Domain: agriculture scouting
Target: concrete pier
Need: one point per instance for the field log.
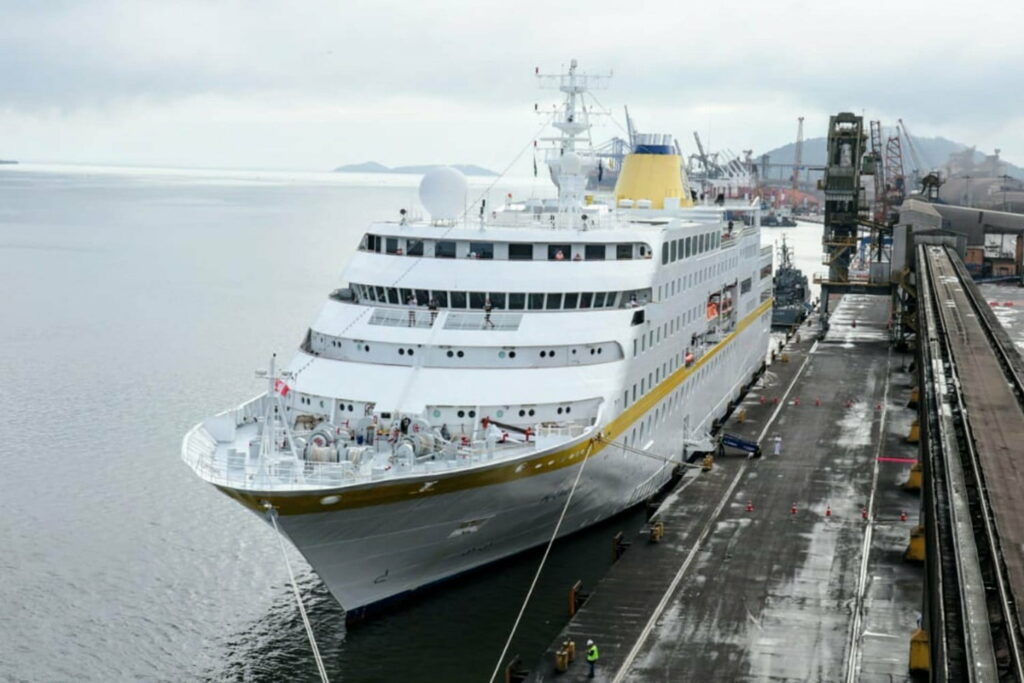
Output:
(768, 569)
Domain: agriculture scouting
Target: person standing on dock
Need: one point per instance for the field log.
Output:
(777, 445)
(592, 656)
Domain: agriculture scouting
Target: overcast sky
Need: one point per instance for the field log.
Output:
(311, 84)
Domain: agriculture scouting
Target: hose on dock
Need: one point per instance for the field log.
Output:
(272, 514)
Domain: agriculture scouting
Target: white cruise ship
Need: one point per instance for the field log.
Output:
(443, 402)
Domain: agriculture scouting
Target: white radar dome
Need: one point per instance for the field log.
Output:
(443, 193)
(571, 163)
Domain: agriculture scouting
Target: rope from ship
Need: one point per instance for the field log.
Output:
(647, 454)
(272, 514)
(543, 559)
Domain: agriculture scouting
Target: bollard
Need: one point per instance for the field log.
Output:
(576, 598)
(657, 531)
(570, 647)
(708, 463)
(741, 416)
(561, 661)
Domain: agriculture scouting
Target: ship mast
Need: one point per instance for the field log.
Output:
(568, 165)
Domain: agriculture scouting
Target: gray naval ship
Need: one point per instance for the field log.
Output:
(790, 291)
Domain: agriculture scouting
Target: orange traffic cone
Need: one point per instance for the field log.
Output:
(792, 510)
(750, 506)
(828, 510)
(903, 515)
(864, 513)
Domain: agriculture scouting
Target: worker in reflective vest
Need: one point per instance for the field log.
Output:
(591, 656)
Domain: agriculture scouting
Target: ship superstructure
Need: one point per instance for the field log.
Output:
(437, 412)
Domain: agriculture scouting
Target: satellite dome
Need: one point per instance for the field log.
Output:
(443, 193)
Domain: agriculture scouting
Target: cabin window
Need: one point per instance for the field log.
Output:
(520, 252)
(444, 249)
(559, 252)
(441, 297)
(458, 300)
(414, 248)
(393, 296)
(373, 243)
(391, 245)
(536, 301)
(482, 250)
(594, 252)
(422, 297)
(598, 299)
(476, 299)
(497, 299)
(688, 252)
(664, 253)
(609, 299)
(586, 299)
(554, 302)
(672, 254)
(571, 299)
(745, 286)
(517, 301)
(623, 251)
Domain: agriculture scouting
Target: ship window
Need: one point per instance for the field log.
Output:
(559, 411)
(672, 251)
(444, 249)
(571, 299)
(414, 248)
(520, 252)
(451, 353)
(401, 352)
(594, 252)
(405, 295)
(422, 297)
(511, 354)
(458, 300)
(536, 301)
(392, 296)
(442, 298)
(461, 413)
(543, 354)
(609, 299)
(483, 250)
(472, 413)
(460, 354)
(554, 302)
(664, 253)
(700, 244)
(380, 295)
(498, 299)
(623, 251)
(559, 252)
(522, 413)
(745, 286)
(391, 245)
(586, 299)
(476, 300)
(688, 246)
(680, 243)
(517, 301)
(598, 299)
(531, 412)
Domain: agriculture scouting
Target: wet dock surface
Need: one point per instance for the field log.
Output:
(767, 570)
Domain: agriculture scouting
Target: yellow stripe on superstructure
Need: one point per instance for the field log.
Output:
(305, 502)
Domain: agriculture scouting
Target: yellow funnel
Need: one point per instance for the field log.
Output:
(653, 177)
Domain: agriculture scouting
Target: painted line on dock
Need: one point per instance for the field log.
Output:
(883, 458)
(670, 591)
(855, 641)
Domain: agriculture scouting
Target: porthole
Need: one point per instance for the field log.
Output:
(592, 352)
(451, 353)
(599, 349)
(501, 413)
(461, 413)
(511, 354)
(551, 353)
(501, 354)
(410, 352)
(522, 413)
(531, 412)
(559, 410)
(437, 413)
(460, 354)
(472, 413)
(574, 352)
(351, 407)
(568, 409)
(366, 348)
(321, 404)
(543, 354)
(401, 352)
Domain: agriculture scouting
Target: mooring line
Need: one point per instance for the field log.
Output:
(272, 513)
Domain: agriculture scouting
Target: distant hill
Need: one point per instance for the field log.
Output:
(374, 167)
(934, 152)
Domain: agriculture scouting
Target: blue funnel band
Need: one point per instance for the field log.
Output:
(654, 149)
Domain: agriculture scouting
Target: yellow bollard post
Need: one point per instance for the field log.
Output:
(657, 531)
(915, 549)
(920, 656)
(913, 482)
(709, 462)
(561, 661)
(915, 431)
(741, 416)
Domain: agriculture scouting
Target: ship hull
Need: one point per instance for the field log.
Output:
(368, 555)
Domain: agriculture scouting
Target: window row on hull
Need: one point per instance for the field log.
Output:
(512, 301)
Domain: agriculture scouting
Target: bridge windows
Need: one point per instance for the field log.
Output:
(520, 252)
(444, 249)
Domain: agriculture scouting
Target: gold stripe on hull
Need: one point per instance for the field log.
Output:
(307, 502)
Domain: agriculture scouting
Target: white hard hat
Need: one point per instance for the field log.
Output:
(589, 643)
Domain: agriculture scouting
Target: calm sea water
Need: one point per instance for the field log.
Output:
(135, 303)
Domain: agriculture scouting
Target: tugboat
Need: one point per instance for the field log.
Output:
(791, 295)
